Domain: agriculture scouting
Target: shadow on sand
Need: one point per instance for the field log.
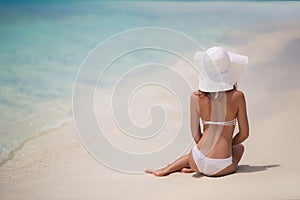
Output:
(250, 168)
(244, 169)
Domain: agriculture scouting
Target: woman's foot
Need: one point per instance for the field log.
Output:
(176, 166)
(186, 170)
(160, 172)
(164, 171)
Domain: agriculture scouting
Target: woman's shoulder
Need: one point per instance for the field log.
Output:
(238, 95)
(200, 93)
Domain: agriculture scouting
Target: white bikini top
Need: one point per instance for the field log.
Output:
(228, 123)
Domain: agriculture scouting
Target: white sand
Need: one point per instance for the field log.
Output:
(56, 166)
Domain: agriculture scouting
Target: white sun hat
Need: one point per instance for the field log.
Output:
(219, 69)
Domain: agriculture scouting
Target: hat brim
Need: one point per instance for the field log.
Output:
(224, 81)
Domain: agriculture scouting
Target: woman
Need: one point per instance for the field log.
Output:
(218, 104)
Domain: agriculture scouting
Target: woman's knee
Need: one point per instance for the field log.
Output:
(238, 148)
(237, 153)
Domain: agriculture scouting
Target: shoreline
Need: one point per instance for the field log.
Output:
(18, 145)
(56, 165)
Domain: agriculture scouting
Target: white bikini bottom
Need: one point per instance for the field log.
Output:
(209, 166)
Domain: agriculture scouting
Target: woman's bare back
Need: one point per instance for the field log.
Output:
(223, 147)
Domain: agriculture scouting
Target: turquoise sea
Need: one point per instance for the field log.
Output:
(43, 43)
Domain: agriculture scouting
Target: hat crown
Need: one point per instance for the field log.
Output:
(216, 60)
(219, 69)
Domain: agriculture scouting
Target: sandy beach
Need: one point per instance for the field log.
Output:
(56, 165)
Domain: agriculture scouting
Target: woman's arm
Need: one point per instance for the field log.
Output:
(197, 135)
(195, 117)
(243, 133)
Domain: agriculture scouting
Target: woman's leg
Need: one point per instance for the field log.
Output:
(177, 165)
(182, 164)
(237, 153)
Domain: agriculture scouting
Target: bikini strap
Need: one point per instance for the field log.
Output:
(228, 123)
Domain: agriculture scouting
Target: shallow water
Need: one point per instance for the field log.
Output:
(42, 46)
